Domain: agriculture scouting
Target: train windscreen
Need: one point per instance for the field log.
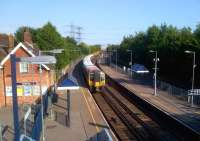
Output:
(97, 76)
(91, 76)
(102, 76)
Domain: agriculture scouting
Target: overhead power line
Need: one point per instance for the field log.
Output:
(75, 32)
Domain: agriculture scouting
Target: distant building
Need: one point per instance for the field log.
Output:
(27, 74)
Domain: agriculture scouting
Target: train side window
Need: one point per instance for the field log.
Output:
(97, 76)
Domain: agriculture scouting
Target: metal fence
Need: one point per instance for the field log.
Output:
(36, 131)
(194, 96)
(172, 90)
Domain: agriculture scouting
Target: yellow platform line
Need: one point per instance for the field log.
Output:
(90, 111)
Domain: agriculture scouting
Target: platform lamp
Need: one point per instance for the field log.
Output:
(193, 69)
(156, 59)
(32, 60)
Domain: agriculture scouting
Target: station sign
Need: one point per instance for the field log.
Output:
(26, 83)
(194, 92)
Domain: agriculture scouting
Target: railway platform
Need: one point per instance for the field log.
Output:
(178, 109)
(85, 121)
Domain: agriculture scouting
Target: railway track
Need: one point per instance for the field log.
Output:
(134, 120)
(120, 129)
(179, 128)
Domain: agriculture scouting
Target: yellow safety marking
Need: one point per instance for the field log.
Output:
(97, 128)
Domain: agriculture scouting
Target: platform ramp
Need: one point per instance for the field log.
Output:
(102, 136)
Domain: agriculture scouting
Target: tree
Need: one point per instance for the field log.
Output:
(170, 43)
(48, 38)
(197, 33)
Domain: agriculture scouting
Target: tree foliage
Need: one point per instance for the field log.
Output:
(48, 38)
(175, 65)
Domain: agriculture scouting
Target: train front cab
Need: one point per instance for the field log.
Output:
(96, 80)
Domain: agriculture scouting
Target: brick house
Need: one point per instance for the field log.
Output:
(28, 80)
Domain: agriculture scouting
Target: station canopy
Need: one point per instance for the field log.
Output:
(67, 84)
(139, 68)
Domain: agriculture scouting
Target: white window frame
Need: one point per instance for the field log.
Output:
(23, 67)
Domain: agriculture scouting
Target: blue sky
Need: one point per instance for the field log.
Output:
(103, 21)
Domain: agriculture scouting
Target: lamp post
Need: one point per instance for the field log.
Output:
(40, 60)
(110, 57)
(131, 57)
(115, 59)
(156, 59)
(193, 68)
(109, 54)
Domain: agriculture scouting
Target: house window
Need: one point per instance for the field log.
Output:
(23, 67)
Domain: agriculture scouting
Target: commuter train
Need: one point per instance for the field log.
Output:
(94, 77)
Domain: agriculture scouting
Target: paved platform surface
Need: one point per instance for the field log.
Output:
(86, 119)
(177, 108)
(6, 119)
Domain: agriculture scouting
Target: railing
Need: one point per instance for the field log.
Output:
(37, 125)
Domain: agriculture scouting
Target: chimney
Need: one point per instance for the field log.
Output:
(10, 41)
(27, 36)
(3, 40)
